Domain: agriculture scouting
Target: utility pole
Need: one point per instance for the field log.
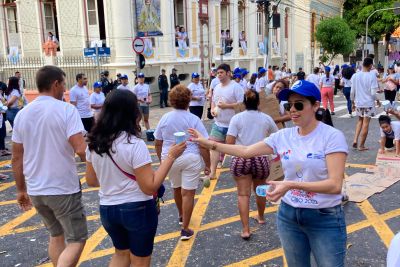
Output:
(266, 32)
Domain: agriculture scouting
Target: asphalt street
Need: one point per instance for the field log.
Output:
(370, 224)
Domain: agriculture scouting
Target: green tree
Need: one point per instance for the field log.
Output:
(382, 23)
(335, 37)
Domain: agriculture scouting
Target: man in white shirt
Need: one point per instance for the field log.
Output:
(227, 96)
(124, 83)
(364, 85)
(44, 166)
(143, 94)
(79, 97)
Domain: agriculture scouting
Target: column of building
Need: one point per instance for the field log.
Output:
(234, 27)
(251, 35)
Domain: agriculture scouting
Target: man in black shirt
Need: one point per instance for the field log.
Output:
(173, 78)
(106, 84)
(163, 86)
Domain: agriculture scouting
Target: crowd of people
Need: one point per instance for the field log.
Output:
(104, 129)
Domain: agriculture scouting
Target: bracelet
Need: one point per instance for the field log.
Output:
(171, 157)
(214, 146)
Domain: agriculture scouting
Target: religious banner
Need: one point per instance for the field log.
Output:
(148, 18)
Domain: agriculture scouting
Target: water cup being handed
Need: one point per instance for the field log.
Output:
(262, 190)
(180, 137)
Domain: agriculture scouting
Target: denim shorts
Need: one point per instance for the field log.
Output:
(131, 226)
(218, 133)
(145, 110)
(321, 232)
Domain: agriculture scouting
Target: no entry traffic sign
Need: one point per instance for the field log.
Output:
(138, 45)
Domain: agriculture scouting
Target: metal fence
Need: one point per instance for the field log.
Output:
(70, 65)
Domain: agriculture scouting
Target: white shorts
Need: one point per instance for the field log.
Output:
(366, 112)
(186, 170)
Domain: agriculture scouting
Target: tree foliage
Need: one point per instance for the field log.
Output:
(335, 37)
(381, 23)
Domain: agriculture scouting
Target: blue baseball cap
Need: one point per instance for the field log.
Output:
(245, 72)
(344, 66)
(195, 75)
(124, 77)
(237, 70)
(328, 69)
(141, 75)
(237, 76)
(262, 70)
(97, 85)
(302, 88)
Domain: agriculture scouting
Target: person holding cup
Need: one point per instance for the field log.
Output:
(142, 91)
(313, 157)
(186, 170)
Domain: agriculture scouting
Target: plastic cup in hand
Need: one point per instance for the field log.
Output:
(386, 105)
(262, 190)
(180, 137)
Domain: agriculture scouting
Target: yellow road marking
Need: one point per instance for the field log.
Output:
(4, 163)
(272, 254)
(380, 226)
(6, 228)
(5, 186)
(8, 202)
(183, 248)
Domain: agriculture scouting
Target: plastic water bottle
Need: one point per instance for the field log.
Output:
(262, 190)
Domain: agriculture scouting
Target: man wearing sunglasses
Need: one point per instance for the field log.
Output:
(364, 85)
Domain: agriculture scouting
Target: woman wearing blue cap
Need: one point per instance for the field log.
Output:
(326, 84)
(310, 217)
(196, 105)
(97, 99)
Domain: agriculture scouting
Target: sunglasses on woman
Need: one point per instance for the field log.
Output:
(299, 106)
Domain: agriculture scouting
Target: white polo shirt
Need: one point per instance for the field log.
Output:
(80, 95)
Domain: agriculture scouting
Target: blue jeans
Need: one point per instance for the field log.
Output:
(346, 92)
(10, 115)
(320, 231)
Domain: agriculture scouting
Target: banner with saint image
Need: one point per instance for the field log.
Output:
(148, 18)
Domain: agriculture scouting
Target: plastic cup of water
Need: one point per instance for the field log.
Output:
(262, 190)
(180, 137)
(386, 105)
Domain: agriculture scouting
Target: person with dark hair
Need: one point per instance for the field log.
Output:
(185, 172)
(326, 84)
(196, 105)
(163, 87)
(12, 95)
(390, 135)
(277, 87)
(345, 82)
(364, 85)
(301, 75)
(336, 75)
(260, 81)
(227, 96)
(391, 83)
(173, 78)
(79, 97)
(142, 91)
(251, 85)
(313, 157)
(314, 77)
(119, 162)
(47, 134)
(253, 171)
(270, 74)
(106, 83)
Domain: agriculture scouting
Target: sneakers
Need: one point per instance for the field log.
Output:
(186, 235)
(180, 221)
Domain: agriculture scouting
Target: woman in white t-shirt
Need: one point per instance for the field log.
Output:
(182, 36)
(251, 85)
(314, 77)
(196, 105)
(313, 156)
(326, 84)
(12, 95)
(277, 87)
(97, 99)
(119, 162)
(243, 131)
(185, 172)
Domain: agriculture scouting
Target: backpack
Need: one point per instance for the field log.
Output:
(324, 115)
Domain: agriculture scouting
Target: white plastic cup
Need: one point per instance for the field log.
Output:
(180, 137)
(386, 105)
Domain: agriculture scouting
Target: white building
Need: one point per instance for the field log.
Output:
(78, 23)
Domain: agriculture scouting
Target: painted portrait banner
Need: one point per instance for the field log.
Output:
(148, 18)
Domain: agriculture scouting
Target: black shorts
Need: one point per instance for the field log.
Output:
(131, 226)
(88, 123)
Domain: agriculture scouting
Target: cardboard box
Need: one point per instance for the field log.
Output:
(269, 104)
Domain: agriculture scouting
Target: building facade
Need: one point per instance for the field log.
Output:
(78, 24)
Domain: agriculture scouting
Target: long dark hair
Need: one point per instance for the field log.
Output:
(253, 78)
(13, 83)
(347, 73)
(120, 113)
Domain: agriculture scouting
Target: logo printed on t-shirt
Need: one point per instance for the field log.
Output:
(285, 154)
(315, 156)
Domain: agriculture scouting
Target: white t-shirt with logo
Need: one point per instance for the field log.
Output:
(230, 94)
(49, 159)
(80, 95)
(115, 187)
(247, 132)
(314, 78)
(97, 99)
(304, 159)
(178, 120)
(142, 92)
(243, 83)
(327, 82)
(395, 130)
(363, 88)
(197, 91)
